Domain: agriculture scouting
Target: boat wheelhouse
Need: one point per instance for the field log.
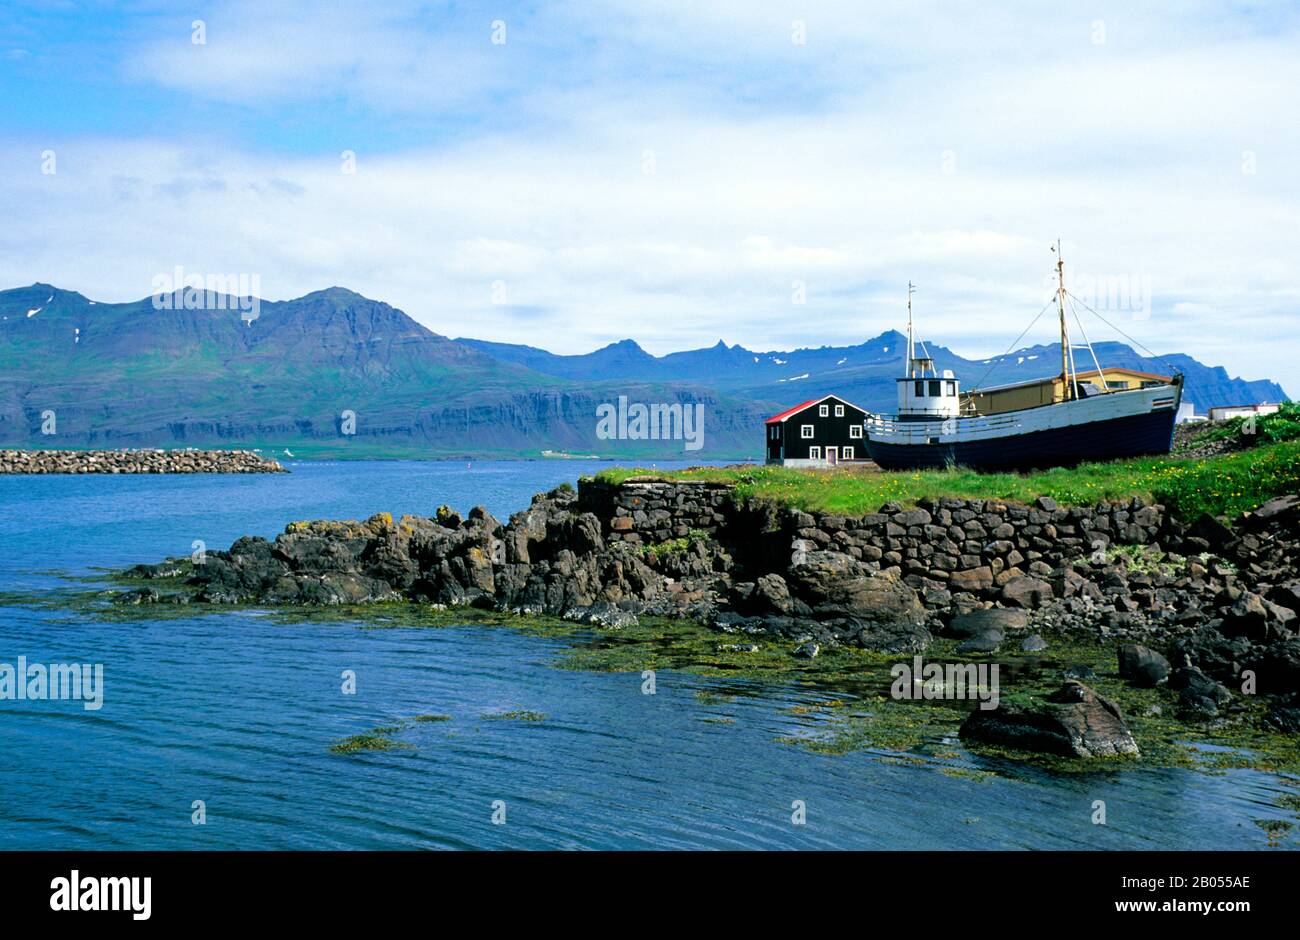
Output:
(1058, 421)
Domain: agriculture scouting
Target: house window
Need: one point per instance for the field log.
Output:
(823, 411)
(806, 431)
(776, 431)
(839, 411)
(847, 453)
(814, 453)
(855, 431)
(1116, 383)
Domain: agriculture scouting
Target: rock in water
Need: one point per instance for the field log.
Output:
(1074, 721)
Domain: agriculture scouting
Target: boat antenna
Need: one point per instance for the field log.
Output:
(1060, 303)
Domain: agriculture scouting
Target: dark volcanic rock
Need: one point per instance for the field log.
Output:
(984, 620)
(893, 637)
(972, 579)
(834, 585)
(987, 642)
(1248, 615)
(1211, 651)
(1283, 507)
(1142, 666)
(1285, 715)
(807, 650)
(1199, 696)
(1286, 595)
(771, 592)
(603, 614)
(1277, 667)
(1074, 721)
(1029, 593)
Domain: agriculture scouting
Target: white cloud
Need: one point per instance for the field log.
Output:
(910, 144)
(300, 51)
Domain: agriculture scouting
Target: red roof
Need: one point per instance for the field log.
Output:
(795, 410)
(777, 419)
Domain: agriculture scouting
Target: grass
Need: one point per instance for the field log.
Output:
(1141, 559)
(1282, 425)
(1222, 485)
(671, 546)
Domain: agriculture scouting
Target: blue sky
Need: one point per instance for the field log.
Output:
(675, 172)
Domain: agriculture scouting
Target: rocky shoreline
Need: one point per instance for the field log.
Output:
(135, 461)
(1206, 610)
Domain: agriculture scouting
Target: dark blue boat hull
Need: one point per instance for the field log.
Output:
(1129, 436)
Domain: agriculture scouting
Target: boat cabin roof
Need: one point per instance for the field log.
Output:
(1079, 376)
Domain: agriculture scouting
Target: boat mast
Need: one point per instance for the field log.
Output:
(910, 341)
(1065, 339)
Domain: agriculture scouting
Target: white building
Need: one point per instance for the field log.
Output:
(1227, 412)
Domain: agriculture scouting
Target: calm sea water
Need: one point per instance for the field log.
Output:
(240, 712)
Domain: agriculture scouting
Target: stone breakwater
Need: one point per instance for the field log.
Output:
(136, 461)
(1205, 608)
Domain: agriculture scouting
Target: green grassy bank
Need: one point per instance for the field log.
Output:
(1226, 484)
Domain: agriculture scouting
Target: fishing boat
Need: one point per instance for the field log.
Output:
(1059, 421)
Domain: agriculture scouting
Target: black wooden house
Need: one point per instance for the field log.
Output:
(824, 432)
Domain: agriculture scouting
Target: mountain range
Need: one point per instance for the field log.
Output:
(336, 374)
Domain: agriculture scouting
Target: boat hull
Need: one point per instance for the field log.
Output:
(1038, 438)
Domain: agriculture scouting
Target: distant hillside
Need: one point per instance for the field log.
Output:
(118, 375)
(865, 373)
(1206, 385)
(129, 375)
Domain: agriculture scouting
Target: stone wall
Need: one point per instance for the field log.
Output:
(980, 547)
(654, 511)
(990, 549)
(136, 461)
